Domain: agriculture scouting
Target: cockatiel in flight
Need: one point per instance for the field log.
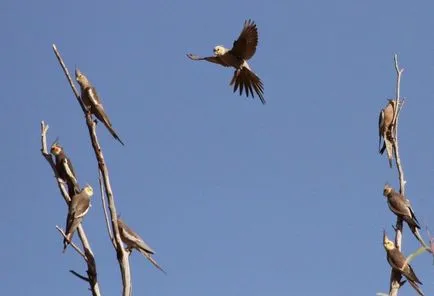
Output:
(242, 50)
(92, 102)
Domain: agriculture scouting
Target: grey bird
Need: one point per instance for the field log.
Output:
(92, 102)
(398, 262)
(242, 50)
(78, 208)
(133, 241)
(64, 169)
(401, 207)
(385, 122)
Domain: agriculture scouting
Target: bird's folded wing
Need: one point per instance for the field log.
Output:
(69, 170)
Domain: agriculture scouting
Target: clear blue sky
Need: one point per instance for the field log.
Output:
(236, 198)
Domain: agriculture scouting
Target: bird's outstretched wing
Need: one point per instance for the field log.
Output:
(246, 79)
(215, 60)
(245, 46)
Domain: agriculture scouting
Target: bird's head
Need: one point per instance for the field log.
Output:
(219, 50)
(56, 149)
(80, 78)
(88, 189)
(387, 189)
(387, 243)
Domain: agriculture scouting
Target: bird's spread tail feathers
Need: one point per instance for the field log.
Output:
(246, 79)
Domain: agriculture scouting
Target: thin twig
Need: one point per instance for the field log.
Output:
(395, 276)
(65, 70)
(107, 220)
(122, 256)
(398, 107)
(79, 275)
(72, 243)
(94, 286)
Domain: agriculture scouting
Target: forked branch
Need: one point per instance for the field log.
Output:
(87, 255)
(122, 255)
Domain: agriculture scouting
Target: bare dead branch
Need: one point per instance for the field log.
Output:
(94, 286)
(71, 243)
(399, 104)
(107, 220)
(395, 277)
(122, 256)
(71, 83)
(79, 275)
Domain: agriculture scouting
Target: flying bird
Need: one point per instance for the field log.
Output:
(242, 50)
(64, 169)
(398, 262)
(385, 123)
(78, 208)
(134, 241)
(92, 102)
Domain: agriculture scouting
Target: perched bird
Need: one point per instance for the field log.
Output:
(398, 262)
(64, 169)
(242, 50)
(385, 121)
(134, 241)
(92, 102)
(401, 207)
(78, 208)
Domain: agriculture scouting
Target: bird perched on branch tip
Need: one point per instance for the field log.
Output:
(92, 102)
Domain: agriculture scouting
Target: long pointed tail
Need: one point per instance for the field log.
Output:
(152, 260)
(416, 287)
(114, 134)
(416, 233)
(246, 79)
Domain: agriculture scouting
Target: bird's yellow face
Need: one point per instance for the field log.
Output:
(56, 149)
(89, 190)
(219, 50)
(80, 78)
(388, 244)
(387, 190)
